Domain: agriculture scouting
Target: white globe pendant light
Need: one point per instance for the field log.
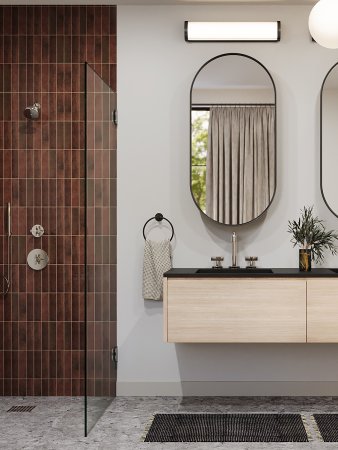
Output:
(323, 23)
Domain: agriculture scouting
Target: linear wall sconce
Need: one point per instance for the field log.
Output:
(232, 31)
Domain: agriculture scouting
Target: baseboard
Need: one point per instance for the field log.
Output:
(228, 388)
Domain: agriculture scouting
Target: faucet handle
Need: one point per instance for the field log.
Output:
(251, 260)
(218, 260)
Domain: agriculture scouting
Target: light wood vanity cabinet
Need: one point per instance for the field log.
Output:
(235, 310)
(322, 310)
(250, 310)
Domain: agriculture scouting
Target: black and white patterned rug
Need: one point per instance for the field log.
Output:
(227, 428)
(328, 426)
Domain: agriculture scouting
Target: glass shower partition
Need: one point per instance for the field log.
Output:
(100, 247)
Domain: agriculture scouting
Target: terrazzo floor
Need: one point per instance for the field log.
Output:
(57, 422)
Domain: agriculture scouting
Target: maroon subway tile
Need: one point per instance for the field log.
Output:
(60, 386)
(22, 20)
(15, 386)
(37, 364)
(30, 78)
(52, 307)
(7, 54)
(37, 197)
(38, 20)
(45, 387)
(98, 49)
(60, 278)
(45, 59)
(30, 51)
(30, 364)
(22, 48)
(90, 20)
(75, 20)
(30, 387)
(67, 56)
(112, 82)
(98, 20)
(52, 110)
(6, 77)
(112, 21)
(22, 298)
(45, 335)
(60, 49)
(60, 19)
(52, 278)
(52, 364)
(90, 49)
(52, 16)
(68, 279)
(44, 307)
(105, 14)
(68, 335)
(22, 372)
(53, 220)
(112, 50)
(60, 336)
(60, 308)
(37, 387)
(52, 43)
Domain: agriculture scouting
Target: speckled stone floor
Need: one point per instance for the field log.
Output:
(57, 422)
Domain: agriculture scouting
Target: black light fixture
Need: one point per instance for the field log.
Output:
(232, 31)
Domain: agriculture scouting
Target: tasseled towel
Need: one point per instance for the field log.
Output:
(157, 260)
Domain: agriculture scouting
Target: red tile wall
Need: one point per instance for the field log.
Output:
(42, 55)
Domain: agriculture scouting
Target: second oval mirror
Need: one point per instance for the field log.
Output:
(329, 139)
(233, 139)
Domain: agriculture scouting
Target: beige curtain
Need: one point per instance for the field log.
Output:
(240, 178)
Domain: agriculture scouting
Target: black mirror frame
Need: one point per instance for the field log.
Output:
(190, 153)
(321, 139)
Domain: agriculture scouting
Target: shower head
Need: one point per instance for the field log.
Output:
(32, 112)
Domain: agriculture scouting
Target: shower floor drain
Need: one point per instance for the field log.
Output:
(21, 409)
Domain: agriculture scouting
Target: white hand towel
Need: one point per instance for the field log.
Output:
(157, 260)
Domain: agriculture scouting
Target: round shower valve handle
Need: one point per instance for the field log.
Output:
(37, 259)
(37, 230)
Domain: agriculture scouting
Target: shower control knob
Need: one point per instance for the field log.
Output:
(37, 259)
(37, 230)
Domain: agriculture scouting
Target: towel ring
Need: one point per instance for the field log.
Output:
(159, 217)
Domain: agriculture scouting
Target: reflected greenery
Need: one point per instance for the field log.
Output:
(199, 142)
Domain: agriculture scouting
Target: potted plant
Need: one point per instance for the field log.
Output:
(310, 235)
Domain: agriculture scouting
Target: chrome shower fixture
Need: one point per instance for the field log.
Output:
(32, 112)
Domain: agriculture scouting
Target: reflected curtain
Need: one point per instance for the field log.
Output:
(240, 179)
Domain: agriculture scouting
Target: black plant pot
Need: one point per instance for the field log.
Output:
(304, 260)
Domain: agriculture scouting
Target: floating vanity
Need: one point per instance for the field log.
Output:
(251, 306)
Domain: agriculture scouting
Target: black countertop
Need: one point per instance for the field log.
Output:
(276, 273)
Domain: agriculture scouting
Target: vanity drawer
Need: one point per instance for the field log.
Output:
(322, 311)
(234, 310)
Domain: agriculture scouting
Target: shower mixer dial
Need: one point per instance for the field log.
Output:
(37, 230)
(37, 259)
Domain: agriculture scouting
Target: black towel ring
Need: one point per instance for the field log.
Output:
(159, 217)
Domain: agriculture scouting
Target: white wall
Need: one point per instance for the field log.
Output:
(155, 70)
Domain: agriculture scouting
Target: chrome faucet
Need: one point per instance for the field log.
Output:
(234, 251)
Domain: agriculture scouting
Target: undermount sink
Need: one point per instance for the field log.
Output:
(234, 271)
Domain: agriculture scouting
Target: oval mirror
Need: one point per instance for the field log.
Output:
(233, 139)
(329, 139)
